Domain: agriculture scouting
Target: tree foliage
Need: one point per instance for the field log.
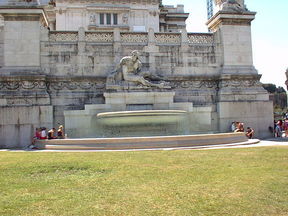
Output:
(278, 94)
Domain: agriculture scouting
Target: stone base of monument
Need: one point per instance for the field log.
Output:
(161, 142)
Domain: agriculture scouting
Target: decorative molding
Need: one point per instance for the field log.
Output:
(54, 84)
(195, 84)
(237, 83)
(22, 85)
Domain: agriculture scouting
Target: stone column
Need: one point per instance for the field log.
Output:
(22, 36)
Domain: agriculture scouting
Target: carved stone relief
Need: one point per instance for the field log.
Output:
(92, 19)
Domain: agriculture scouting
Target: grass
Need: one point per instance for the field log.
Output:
(250, 181)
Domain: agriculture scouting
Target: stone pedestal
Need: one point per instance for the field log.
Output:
(241, 96)
(22, 36)
(233, 31)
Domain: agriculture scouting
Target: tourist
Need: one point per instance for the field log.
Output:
(43, 133)
(36, 136)
(233, 126)
(60, 132)
(285, 127)
(249, 132)
(239, 127)
(278, 129)
(51, 134)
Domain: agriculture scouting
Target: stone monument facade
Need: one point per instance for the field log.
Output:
(49, 69)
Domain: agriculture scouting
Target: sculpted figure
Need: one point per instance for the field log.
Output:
(92, 19)
(130, 66)
(125, 19)
(231, 5)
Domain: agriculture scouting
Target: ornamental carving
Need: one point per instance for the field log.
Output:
(134, 38)
(166, 38)
(196, 84)
(200, 38)
(92, 19)
(240, 83)
(125, 18)
(12, 85)
(57, 85)
(63, 36)
(99, 37)
(76, 85)
(26, 85)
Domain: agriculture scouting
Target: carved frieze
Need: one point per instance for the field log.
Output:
(22, 85)
(68, 85)
(51, 85)
(195, 84)
(237, 83)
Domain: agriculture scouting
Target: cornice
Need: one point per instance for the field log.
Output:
(230, 18)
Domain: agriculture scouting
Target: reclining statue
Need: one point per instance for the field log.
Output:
(129, 70)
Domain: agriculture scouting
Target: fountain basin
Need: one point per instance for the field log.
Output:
(140, 117)
(141, 123)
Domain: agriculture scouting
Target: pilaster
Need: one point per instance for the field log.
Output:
(152, 49)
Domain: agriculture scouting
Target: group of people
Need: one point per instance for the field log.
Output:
(239, 127)
(42, 134)
(281, 128)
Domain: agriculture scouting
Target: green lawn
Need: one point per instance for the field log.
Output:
(252, 181)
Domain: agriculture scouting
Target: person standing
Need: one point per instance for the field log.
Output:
(285, 127)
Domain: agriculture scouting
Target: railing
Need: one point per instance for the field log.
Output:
(102, 37)
(133, 37)
(200, 38)
(168, 38)
(62, 36)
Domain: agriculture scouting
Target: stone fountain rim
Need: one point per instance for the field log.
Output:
(141, 113)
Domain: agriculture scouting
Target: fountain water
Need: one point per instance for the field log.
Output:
(142, 123)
